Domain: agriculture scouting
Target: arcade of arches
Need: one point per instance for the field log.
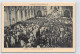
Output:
(13, 14)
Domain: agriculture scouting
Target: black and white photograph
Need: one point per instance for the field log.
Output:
(38, 27)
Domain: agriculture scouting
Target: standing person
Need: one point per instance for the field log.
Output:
(9, 40)
(12, 41)
(22, 43)
(22, 39)
(35, 31)
(17, 39)
(38, 36)
(34, 44)
(5, 41)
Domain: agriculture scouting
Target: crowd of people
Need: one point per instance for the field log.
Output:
(38, 32)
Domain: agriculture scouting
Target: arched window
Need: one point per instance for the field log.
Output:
(66, 13)
(39, 13)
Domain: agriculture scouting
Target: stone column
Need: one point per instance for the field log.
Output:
(5, 18)
(33, 13)
(23, 11)
(30, 13)
(9, 15)
(18, 15)
(27, 14)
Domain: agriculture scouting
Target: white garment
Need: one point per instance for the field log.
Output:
(24, 32)
(42, 28)
(34, 32)
(22, 43)
(7, 44)
(29, 44)
(12, 41)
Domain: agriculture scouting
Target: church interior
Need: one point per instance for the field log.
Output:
(38, 26)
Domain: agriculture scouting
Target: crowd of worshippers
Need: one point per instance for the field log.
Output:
(33, 35)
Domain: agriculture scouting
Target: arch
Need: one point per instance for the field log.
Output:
(39, 13)
(67, 13)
